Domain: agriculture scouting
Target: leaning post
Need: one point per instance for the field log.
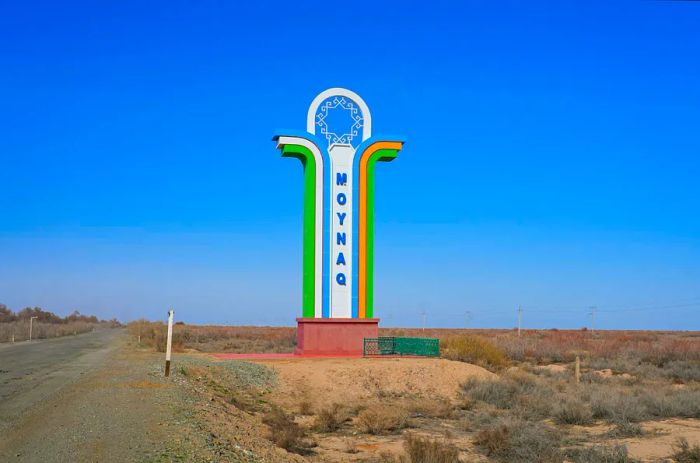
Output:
(168, 346)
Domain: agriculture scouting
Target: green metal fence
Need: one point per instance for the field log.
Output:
(425, 347)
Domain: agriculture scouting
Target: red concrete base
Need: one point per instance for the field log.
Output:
(334, 336)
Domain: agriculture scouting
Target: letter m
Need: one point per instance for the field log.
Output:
(341, 178)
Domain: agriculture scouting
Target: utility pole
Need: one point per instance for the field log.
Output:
(168, 346)
(424, 314)
(30, 327)
(592, 314)
(520, 318)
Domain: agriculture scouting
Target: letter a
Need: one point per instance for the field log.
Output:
(341, 259)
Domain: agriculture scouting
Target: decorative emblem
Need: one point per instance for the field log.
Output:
(340, 121)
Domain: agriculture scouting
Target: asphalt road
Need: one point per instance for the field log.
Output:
(90, 398)
(30, 373)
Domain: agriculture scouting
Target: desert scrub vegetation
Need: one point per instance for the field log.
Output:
(519, 441)
(573, 411)
(382, 419)
(648, 348)
(473, 349)
(600, 454)
(285, 432)
(521, 406)
(425, 450)
(683, 452)
(206, 338)
(46, 324)
(438, 407)
(331, 418)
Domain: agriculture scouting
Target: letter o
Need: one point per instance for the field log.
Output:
(340, 279)
(342, 199)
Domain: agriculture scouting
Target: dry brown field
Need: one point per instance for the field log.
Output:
(493, 397)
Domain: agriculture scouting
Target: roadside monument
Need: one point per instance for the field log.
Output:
(338, 154)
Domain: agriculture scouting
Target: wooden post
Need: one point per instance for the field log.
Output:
(577, 369)
(169, 343)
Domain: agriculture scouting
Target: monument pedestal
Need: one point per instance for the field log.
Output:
(334, 336)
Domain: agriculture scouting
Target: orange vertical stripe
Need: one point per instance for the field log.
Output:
(362, 212)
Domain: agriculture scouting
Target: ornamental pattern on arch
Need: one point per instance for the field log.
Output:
(340, 121)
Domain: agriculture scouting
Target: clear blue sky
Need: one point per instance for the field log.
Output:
(553, 157)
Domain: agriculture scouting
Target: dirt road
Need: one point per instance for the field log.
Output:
(86, 398)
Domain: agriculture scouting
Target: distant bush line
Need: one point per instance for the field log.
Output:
(14, 326)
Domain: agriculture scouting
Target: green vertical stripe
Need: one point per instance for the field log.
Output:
(379, 155)
(307, 159)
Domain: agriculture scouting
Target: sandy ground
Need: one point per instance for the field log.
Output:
(662, 434)
(325, 381)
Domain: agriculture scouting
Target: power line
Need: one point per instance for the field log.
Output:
(592, 314)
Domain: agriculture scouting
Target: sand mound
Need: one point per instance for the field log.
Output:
(324, 381)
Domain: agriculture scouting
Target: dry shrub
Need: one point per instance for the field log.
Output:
(306, 407)
(682, 371)
(380, 419)
(525, 393)
(431, 408)
(482, 418)
(424, 450)
(244, 403)
(517, 441)
(626, 429)
(351, 446)
(683, 452)
(330, 419)
(284, 432)
(499, 393)
(494, 440)
(472, 349)
(573, 412)
(614, 405)
(667, 403)
(600, 454)
(207, 338)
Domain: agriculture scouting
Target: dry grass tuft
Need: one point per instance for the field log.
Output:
(284, 432)
(600, 454)
(476, 350)
(626, 429)
(424, 450)
(306, 407)
(330, 419)
(517, 441)
(574, 412)
(431, 408)
(381, 419)
(683, 452)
